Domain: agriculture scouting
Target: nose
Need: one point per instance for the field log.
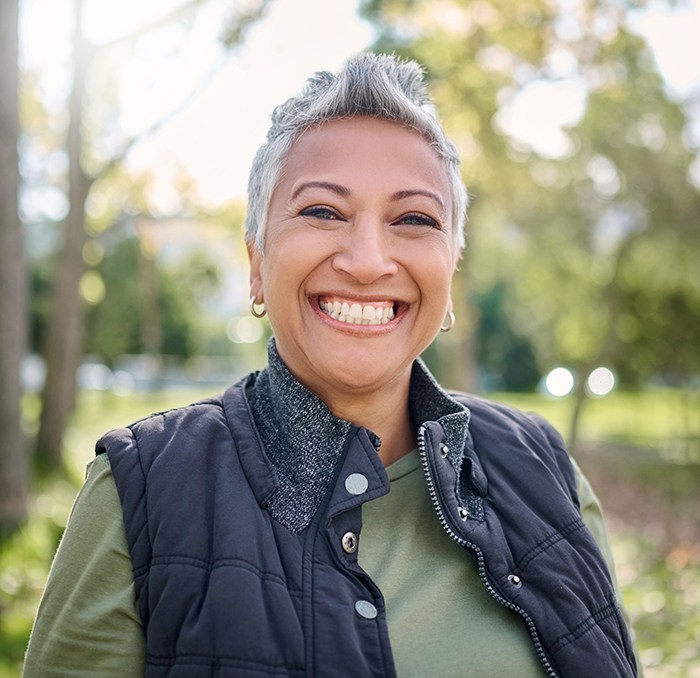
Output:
(365, 253)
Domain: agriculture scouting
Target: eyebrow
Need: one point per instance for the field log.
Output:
(329, 186)
(401, 195)
(345, 192)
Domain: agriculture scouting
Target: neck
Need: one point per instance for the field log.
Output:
(384, 412)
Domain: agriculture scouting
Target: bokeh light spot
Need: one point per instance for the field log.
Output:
(600, 382)
(559, 382)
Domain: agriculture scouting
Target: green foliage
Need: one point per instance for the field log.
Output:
(178, 290)
(661, 590)
(39, 301)
(663, 419)
(648, 501)
(506, 359)
(145, 293)
(597, 244)
(24, 561)
(113, 324)
(184, 289)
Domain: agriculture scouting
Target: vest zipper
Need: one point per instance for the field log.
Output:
(480, 557)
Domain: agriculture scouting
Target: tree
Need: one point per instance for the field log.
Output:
(65, 327)
(63, 340)
(118, 323)
(13, 285)
(506, 359)
(582, 233)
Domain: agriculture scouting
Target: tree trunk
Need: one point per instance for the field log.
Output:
(579, 402)
(64, 336)
(14, 463)
(149, 303)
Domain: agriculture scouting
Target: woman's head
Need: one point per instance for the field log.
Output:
(361, 201)
(369, 85)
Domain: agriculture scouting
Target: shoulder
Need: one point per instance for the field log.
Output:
(504, 430)
(487, 414)
(189, 417)
(196, 436)
(173, 430)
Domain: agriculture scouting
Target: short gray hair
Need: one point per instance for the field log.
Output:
(369, 85)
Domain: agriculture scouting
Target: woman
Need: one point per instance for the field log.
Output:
(259, 534)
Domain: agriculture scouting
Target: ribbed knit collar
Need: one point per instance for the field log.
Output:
(304, 440)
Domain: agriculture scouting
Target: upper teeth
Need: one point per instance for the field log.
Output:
(357, 314)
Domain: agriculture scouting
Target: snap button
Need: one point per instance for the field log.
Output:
(463, 513)
(515, 580)
(349, 542)
(444, 450)
(365, 609)
(356, 483)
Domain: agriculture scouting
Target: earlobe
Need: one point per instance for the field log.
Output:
(449, 322)
(256, 282)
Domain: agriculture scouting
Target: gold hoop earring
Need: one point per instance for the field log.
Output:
(448, 323)
(254, 312)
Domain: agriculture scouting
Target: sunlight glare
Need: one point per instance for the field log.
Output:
(538, 114)
(673, 35)
(559, 382)
(600, 382)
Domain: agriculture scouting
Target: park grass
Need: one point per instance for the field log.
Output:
(630, 444)
(657, 418)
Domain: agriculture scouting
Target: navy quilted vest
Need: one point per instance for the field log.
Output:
(226, 590)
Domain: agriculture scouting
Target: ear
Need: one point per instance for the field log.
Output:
(256, 280)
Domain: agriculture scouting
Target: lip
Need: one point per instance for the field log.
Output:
(400, 309)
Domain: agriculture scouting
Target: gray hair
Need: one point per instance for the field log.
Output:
(370, 85)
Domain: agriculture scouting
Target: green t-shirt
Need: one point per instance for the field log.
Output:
(87, 624)
(441, 620)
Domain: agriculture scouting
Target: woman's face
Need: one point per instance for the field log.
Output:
(358, 255)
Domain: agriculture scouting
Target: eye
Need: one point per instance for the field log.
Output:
(418, 219)
(320, 212)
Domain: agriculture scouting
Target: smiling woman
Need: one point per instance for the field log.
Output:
(358, 222)
(338, 513)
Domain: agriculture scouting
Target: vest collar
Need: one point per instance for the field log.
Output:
(301, 437)
(304, 441)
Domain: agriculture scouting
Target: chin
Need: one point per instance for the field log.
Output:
(363, 375)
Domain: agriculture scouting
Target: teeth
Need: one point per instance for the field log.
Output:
(356, 314)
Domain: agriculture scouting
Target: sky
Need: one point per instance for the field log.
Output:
(214, 138)
(675, 38)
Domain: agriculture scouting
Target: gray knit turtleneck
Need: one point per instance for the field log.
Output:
(304, 440)
(301, 437)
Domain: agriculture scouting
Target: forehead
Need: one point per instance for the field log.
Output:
(368, 152)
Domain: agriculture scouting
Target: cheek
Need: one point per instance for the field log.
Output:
(441, 290)
(435, 266)
(298, 254)
(284, 269)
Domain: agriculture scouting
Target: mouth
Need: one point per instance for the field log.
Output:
(352, 312)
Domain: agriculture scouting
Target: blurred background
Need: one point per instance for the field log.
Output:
(126, 132)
